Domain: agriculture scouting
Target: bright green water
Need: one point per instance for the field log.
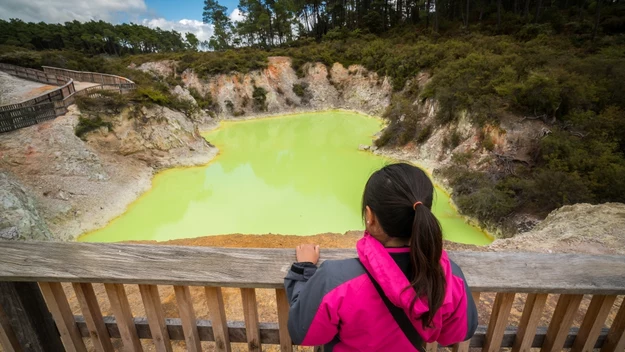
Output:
(300, 175)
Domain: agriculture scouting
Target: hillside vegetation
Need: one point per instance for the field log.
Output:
(562, 63)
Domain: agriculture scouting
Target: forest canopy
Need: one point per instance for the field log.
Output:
(93, 37)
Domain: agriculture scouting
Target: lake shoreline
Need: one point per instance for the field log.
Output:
(205, 198)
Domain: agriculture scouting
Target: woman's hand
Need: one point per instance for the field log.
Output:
(307, 253)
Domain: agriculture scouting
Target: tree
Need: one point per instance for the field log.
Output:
(192, 41)
(215, 14)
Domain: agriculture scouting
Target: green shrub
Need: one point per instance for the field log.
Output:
(300, 89)
(229, 106)
(204, 101)
(152, 95)
(487, 204)
(260, 98)
(424, 134)
(487, 142)
(462, 158)
(455, 139)
(103, 101)
(88, 124)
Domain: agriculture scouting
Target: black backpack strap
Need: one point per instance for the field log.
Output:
(400, 316)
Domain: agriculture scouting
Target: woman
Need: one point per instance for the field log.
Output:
(401, 291)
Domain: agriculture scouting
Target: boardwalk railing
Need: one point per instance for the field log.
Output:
(507, 277)
(122, 83)
(34, 75)
(54, 103)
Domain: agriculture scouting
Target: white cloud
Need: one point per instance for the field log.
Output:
(58, 11)
(201, 30)
(237, 16)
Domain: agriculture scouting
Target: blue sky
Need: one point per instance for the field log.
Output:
(178, 10)
(180, 15)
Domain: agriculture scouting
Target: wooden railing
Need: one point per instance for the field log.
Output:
(44, 107)
(54, 103)
(506, 277)
(34, 75)
(101, 78)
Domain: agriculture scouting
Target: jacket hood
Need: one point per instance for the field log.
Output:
(378, 261)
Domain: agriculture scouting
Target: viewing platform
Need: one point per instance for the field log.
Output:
(35, 313)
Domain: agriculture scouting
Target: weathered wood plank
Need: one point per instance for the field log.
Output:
(286, 345)
(236, 330)
(61, 312)
(561, 322)
(206, 266)
(596, 314)
(156, 317)
(498, 321)
(250, 314)
(215, 303)
(29, 316)
(187, 315)
(269, 333)
(615, 340)
(532, 311)
(121, 308)
(8, 339)
(93, 316)
(464, 346)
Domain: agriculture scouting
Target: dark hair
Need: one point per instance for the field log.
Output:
(391, 193)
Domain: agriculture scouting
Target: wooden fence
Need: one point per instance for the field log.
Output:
(34, 75)
(122, 83)
(54, 103)
(506, 276)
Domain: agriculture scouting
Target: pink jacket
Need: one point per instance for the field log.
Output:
(338, 306)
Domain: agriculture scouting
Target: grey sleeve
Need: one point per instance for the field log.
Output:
(472, 317)
(296, 279)
(306, 290)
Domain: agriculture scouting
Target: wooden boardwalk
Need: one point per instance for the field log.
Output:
(55, 102)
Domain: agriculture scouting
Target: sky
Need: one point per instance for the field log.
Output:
(181, 15)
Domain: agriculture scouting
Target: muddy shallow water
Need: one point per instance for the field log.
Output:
(300, 175)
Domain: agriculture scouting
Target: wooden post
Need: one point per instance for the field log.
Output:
(590, 329)
(250, 313)
(498, 321)
(123, 316)
(156, 317)
(529, 322)
(217, 312)
(93, 316)
(616, 337)
(561, 322)
(286, 345)
(57, 302)
(187, 316)
(29, 317)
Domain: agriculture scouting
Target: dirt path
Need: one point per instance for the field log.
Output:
(14, 90)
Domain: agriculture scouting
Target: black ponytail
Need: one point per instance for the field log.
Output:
(401, 197)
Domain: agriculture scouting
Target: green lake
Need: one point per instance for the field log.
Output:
(300, 174)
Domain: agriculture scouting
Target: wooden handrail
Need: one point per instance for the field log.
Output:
(497, 277)
(239, 267)
(86, 76)
(40, 108)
